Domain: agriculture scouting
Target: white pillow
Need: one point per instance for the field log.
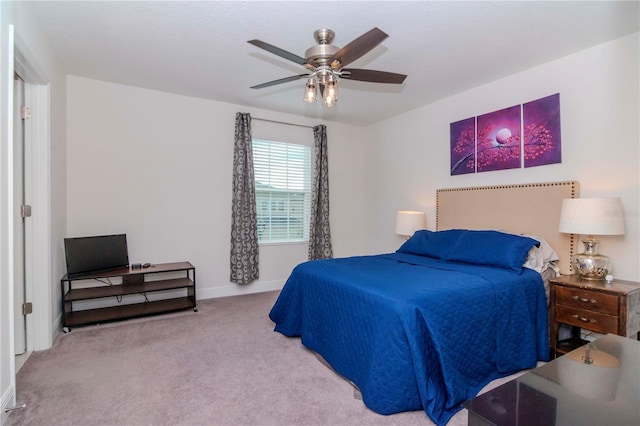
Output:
(541, 258)
(548, 253)
(534, 259)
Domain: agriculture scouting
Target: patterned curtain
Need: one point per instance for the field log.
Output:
(244, 222)
(319, 232)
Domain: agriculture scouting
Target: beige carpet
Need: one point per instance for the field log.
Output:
(223, 365)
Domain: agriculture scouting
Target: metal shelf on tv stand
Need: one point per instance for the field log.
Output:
(177, 280)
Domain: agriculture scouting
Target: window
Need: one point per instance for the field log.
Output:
(283, 190)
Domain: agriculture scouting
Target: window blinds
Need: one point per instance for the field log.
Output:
(283, 190)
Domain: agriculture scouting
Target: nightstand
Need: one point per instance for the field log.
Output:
(592, 305)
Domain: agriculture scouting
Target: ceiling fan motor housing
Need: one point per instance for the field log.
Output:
(320, 53)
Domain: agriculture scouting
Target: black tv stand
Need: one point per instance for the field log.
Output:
(179, 278)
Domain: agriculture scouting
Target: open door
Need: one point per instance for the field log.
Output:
(20, 215)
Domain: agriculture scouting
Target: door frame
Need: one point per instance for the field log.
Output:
(39, 282)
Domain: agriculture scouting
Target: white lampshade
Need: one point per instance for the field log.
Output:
(408, 222)
(592, 216)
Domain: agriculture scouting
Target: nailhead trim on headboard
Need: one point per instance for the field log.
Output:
(573, 186)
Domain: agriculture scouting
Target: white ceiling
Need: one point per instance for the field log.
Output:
(199, 48)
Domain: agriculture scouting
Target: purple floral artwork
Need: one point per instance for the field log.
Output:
(541, 120)
(499, 140)
(463, 146)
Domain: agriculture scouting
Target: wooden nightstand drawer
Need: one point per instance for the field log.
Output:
(604, 307)
(595, 321)
(586, 299)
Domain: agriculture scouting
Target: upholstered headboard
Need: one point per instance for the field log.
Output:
(532, 209)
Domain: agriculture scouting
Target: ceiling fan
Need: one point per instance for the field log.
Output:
(324, 63)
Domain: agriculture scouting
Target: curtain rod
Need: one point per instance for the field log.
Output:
(281, 122)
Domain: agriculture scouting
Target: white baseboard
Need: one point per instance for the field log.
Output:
(236, 290)
(8, 399)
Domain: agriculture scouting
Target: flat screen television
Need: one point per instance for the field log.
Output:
(100, 253)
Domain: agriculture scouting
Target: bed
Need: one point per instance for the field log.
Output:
(426, 327)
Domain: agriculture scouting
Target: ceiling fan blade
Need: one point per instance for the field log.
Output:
(373, 76)
(280, 81)
(357, 48)
(277, 51)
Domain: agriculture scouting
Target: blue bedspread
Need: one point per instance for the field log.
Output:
(414, 332)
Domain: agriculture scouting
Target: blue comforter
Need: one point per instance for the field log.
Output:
(414, 332)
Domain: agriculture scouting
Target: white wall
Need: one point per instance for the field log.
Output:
(408, 155)
(37, 58)
(158, 167)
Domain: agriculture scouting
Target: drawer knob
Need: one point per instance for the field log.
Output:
(583, 319)
(585, 300)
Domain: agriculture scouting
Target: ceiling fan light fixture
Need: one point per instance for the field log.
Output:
(310, 91)
(329, 102)
(330, 94)
(323, 75)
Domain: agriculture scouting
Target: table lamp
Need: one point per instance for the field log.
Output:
(409, 221)
(591, 216)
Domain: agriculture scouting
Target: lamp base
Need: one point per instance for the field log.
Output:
(590, 265)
